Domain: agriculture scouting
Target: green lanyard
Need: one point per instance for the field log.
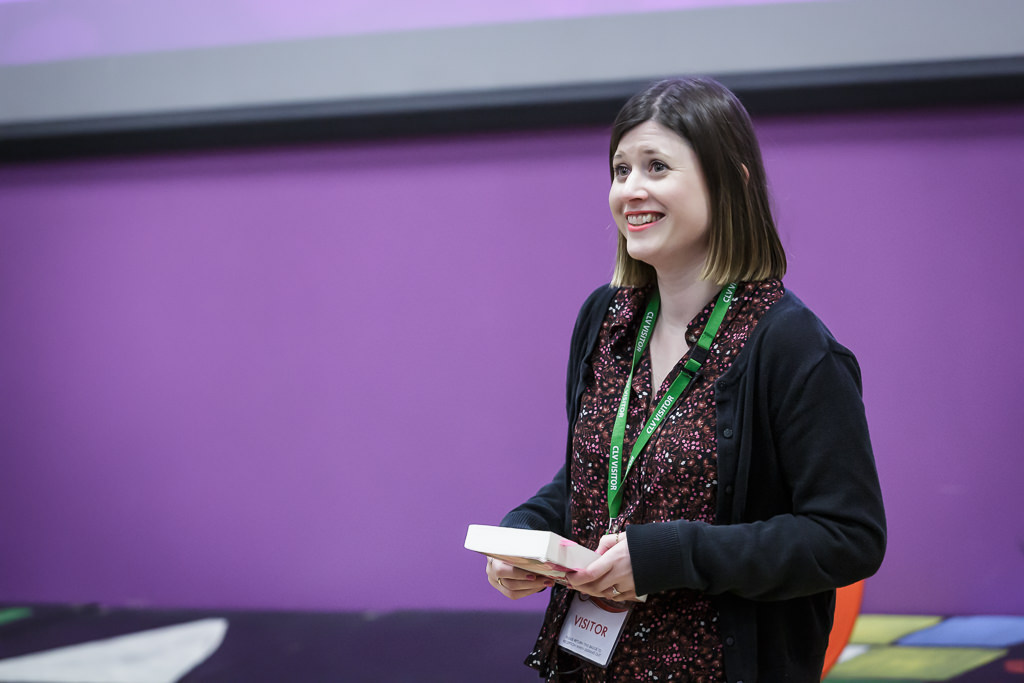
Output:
(616, 475)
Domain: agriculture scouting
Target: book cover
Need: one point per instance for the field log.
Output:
(540, 552)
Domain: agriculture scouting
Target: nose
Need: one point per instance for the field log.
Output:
(634, 187)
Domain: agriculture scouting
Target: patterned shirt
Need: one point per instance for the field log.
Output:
(674, 635)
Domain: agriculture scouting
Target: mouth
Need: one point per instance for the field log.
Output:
(636, 221)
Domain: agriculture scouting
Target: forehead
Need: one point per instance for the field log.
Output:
(651, 137)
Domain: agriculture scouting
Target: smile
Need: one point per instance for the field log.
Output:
(639, 221)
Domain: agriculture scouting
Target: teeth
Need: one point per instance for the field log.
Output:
(642, 218)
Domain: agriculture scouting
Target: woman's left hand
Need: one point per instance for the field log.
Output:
(611, 575)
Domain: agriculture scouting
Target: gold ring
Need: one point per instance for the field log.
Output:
(501, 584)
(615, 592)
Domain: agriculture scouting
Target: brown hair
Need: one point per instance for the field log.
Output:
(743, 242)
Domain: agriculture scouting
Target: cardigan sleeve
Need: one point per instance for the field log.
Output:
(546, 510)
(803, 513)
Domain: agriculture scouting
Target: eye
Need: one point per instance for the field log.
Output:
(658, 166)
(620, 170)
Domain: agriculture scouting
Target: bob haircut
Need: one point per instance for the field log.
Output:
(743, 242)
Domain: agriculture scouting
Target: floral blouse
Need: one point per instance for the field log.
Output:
(674, 635)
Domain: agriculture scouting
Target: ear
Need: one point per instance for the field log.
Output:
(746, 172)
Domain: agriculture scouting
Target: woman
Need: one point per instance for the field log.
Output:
(752, 493)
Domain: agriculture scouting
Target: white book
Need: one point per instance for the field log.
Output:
(540, 552)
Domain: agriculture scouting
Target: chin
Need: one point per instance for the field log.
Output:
(647, 255)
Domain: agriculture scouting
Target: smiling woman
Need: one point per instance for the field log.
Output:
(718, 456)
(710, 134)
(659, 200)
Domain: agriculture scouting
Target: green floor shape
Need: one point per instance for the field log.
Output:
(882, 629)
(13, 614)
(913, 663)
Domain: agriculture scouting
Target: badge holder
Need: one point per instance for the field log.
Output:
(592, 628)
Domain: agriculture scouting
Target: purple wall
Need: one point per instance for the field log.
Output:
(290, 378)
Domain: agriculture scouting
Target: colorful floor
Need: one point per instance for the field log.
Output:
(981, 649)
(92, 644)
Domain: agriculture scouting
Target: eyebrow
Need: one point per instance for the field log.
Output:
(646, 151)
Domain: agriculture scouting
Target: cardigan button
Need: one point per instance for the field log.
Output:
(728, 489)
(727, 432)
(721, 385)
(730, 641)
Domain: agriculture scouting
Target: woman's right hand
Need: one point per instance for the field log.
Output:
(514, 582)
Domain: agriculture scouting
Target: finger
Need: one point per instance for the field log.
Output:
(588, 580)
(518, 594)
(521, 574)
(622, 596)
(493, 577)
(508, 571)
(608, 586)
(617, 586)
(608, 541)
(513, 582)
(613, 569)
(516, 588)
(524, 585)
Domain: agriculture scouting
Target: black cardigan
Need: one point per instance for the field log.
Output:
(799, 505)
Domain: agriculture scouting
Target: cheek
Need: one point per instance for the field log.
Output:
(615, 203)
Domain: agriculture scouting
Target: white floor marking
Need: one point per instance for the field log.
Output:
(851, 651)
(161, 655)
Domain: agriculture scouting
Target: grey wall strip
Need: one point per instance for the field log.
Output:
(781, 57)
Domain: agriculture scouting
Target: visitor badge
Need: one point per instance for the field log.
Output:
(592, 628)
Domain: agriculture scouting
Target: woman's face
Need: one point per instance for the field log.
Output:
(659, 199)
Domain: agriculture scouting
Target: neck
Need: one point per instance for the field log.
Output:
(683, 296)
